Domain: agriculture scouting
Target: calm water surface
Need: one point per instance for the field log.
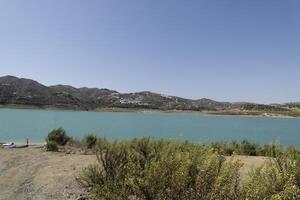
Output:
(18, 124)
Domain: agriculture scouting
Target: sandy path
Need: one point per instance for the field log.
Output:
(33, 174)
(249, 163)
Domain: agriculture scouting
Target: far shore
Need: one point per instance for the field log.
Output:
(232, 112)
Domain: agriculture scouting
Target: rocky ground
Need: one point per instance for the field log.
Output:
(33, 174)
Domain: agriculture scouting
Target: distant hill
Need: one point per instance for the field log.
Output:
(293, 105)
(20, 91)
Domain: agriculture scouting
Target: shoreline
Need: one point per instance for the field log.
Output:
(154, 111)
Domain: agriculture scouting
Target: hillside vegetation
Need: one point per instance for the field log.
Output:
(21, 92)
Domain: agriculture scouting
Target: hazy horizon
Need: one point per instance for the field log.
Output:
(234, 51)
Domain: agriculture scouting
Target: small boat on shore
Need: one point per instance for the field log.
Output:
(7, 145)
(11, 145)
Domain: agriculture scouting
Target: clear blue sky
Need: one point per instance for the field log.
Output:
(227, 50)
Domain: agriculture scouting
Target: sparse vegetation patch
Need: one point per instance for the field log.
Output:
(147, 169)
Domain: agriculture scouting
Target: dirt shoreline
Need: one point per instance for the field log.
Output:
(131, 110)
(33, 174)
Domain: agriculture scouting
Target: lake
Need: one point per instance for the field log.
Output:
(19, 124)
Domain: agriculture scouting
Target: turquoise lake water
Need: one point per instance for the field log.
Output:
(18, 124)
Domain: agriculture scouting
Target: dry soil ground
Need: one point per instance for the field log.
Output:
(31, 173)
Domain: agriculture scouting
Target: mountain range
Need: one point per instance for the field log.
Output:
(26, 92)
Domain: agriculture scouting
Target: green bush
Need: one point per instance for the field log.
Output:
(90, 140)
(252, 149)
(59, 136)
(225, 148)
(148, 169)
(248, 148)
(51, 146)
(277, 179)
(227, 185)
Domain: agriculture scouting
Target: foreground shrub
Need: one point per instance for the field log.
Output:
(227, 185)
(148, 169)
(145, 169)
(277, 179)
(248, 148)
(107, 180)
(59, 136)
(51, 146)
(90, 141)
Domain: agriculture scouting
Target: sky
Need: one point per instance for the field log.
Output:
(225, 50)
